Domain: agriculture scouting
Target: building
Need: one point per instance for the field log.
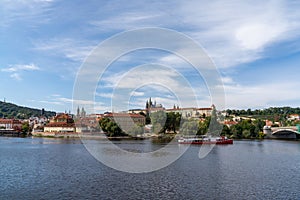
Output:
(153, 107)
(10, 124)
(137, 111)
(205, 112)
(89, 123)
(191, 112)
(62, 123)
(37, 123)
(293, 117)
(229, 123)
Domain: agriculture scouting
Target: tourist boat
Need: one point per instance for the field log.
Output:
(205, 140)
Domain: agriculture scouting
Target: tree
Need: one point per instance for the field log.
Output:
(215, 127)
(189, 127)
(246, 133)
(114, 130)
(172, 121)
(25, 128)
(103, 123)
(158, 120)
(110, 127)
(136, 130)
(225, 131)
(236, 131)
(203, 126)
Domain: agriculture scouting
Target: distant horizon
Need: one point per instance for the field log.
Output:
(73, 113)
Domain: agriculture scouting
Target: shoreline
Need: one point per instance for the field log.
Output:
(97, 135)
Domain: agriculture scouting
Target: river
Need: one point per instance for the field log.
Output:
(41, 168)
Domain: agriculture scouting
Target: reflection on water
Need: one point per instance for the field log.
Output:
(43, 168)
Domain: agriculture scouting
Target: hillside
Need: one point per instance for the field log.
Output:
(9, 110)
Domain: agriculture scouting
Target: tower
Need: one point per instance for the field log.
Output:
(78, 112)
(83, 112)
(42, 112)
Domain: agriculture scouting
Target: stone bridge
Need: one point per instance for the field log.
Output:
(289, 132)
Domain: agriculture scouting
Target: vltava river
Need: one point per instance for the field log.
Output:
(42, 168)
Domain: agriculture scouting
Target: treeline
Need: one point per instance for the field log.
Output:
(172, 122)
(245, 129)
(268, 111)
(161, 123)
(9, 110)
(165, 123)
(112, 129)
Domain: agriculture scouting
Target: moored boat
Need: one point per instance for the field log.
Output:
(205, 140)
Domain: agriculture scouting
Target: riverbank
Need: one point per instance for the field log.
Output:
(94, 135)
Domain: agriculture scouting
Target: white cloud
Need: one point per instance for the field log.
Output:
(127, 20)
(160, 82)
(71, 49)
(137, 94)
(173, 61)
(47, 102)
(238, 32)
(16, 70)
(16, 76)
(258, 35)
(232, 32)
(25, 11)
(260, 95)
(105, 95)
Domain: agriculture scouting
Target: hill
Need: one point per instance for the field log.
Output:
(9, 110)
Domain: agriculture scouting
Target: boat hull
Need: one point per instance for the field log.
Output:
(206, 142)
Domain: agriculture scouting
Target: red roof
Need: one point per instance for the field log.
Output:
(10, 121)
(230, 122)
(188, 109)
(204, 108)
(62, 116)
(132, 115)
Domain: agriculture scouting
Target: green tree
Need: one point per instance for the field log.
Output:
(172, 122)
(25, 128)
(158, 120)
(225, 131)
(236, 131)
(136, 130)
(203, 126)
(215, 127)
(246, 133)
(110, 128)
(189, 127)
(103, 123)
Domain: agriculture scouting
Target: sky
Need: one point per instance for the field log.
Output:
(45, 44)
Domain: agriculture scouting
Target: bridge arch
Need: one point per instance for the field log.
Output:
(286, 133)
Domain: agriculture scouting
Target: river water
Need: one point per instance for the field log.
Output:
(41, 168)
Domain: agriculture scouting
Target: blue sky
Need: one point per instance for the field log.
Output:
(255, 46)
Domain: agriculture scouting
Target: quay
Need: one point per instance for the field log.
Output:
(9, 132)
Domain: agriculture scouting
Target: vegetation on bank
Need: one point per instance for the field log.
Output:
(111, 128)
(275, 114)
(9, 110)
(272, 111)
(171, 123)
(245, 129)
